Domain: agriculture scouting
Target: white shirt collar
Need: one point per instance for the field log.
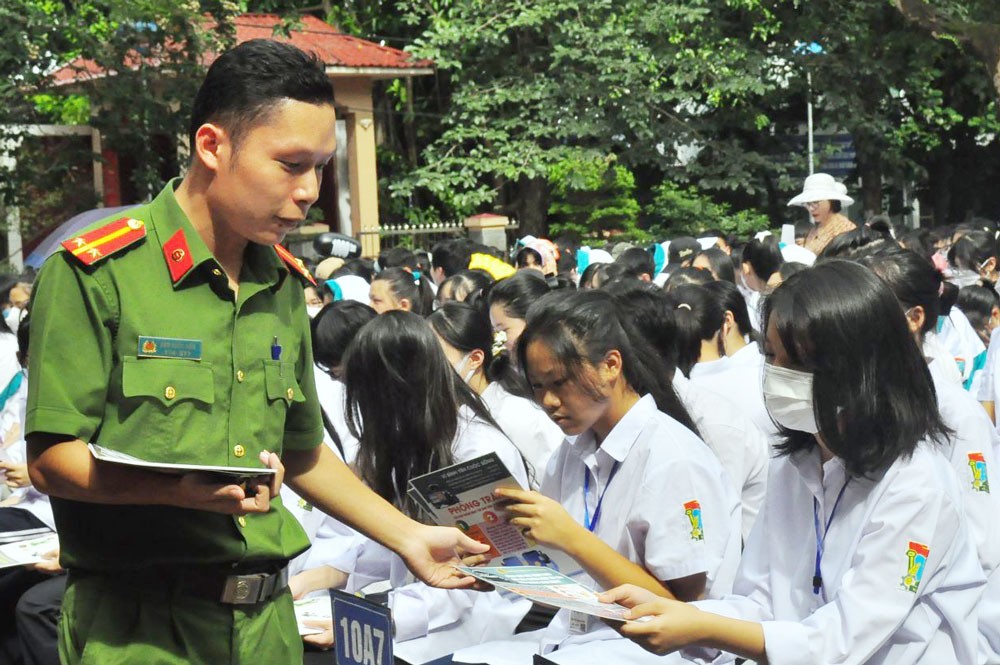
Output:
(622, 436)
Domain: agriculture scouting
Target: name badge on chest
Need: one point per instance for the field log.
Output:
(169, 347)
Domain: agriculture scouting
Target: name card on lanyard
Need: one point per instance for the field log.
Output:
(362, 630)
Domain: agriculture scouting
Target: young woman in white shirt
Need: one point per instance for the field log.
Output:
(468, 343)
(632, 494)
(862, 552)
(702, 326)
(412, 415)
(972, 444)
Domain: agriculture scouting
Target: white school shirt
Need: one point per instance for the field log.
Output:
(527, 425)
(749, 355)
(662, 466)
(865, 612)
(16, 451)
(739, 445)
(742, 384)
(960, 338)
(430, 623)
(990, 385)
(664, 471)
(972, 452)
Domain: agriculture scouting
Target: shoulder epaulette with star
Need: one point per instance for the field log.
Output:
(102, 242)
(295, 264)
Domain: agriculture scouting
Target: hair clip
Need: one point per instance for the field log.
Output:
(684, 305)
(499, 342)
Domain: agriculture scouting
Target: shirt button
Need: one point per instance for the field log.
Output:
(290, 394)
(239, 450)
(170, 392)
(240, 375)
(242, 521)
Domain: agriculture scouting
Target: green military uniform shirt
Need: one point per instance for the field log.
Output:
(217, 397)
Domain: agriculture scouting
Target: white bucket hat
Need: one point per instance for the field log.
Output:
(821, 187)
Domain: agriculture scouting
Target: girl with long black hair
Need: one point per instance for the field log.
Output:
(862, 552)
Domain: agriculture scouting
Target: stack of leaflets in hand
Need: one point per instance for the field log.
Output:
(225, 473)
(461, 495)
(547, 587)
(28, 550)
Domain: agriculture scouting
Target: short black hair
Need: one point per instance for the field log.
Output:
(637, 261)
(873, 396)
(517, 292)
(243, 84)
(719, 263)
(452, 256)
(334, 327)
(913, 279)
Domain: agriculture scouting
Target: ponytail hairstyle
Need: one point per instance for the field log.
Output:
(699, 317)
(580, 328)
(465, 286)
(467, 329)
(912, 279)
(729, 298)
(651, 311)
(396, 360)
(411, 286)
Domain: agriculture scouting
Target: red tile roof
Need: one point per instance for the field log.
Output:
(312, 35)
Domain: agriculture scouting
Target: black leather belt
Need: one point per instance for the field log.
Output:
(245, 586)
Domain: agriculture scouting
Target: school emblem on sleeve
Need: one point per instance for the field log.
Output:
(980, 476)
(693, 511)
(916, 560)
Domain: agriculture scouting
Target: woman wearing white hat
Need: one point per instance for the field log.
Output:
(824, 198)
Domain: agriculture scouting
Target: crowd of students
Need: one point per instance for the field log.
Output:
(830, 416)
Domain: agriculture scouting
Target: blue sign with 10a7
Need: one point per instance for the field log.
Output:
(362, 631)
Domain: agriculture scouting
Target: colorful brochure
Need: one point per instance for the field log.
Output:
(461, 495)
(547, 587)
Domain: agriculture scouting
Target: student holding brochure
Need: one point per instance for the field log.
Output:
(635, 495)
(861, 552)
(435, 421)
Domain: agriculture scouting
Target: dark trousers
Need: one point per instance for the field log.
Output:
(37, 617)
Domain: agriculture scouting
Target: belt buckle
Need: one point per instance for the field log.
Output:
(243, 589)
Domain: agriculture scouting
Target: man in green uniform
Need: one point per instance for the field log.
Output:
(179, 334)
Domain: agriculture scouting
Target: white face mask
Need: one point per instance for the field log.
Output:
(788, 396)
(313, 310)
(461, 367)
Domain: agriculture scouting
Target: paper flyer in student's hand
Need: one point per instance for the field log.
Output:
(29, 550)
(461, 495)
(230, 473)
(547, 587)
(315, 609)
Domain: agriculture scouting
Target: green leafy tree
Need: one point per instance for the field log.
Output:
(593, 196)
(679, 210)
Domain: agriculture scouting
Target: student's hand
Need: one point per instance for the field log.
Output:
(670, 624)
(316, 579)
(322, 640)
(50, 564)
(539, 517)
(432, 553)
(15, 475)
(200, 491)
